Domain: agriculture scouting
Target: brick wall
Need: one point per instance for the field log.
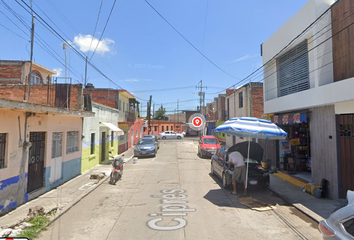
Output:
(257, 101)
(107, 97)
(40, 94)
(10, 73)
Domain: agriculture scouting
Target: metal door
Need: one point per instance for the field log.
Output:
(346, 152)
(57, 153)
(35, 178)
(103, 147)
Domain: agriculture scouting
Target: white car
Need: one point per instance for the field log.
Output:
(170, 135)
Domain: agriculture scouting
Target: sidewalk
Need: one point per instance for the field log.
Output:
(63, 197)
(315, 208)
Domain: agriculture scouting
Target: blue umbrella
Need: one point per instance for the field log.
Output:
(252, 128)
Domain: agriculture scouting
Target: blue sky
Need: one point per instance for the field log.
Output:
(139, 51)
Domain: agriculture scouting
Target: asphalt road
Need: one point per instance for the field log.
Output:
(173, 196)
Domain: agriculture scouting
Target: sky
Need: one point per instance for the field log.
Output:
(157, 48)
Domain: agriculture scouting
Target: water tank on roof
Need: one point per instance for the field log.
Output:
(89, 85)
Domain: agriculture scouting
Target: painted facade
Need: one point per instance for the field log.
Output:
(244, 101)
(97, 138)
(327, 100)
(36, 137)
(160, 126)
(40, 132)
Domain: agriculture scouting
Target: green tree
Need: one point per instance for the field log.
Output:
(160, 114)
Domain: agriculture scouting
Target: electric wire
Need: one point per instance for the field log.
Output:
(44, 23)
(208, 59)
(104, 29)
(97, 20)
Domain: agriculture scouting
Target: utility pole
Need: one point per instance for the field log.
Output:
(178, 125)
(149, 114)
(153, 117)
(201, 94)
(31, 60)
(86, 72)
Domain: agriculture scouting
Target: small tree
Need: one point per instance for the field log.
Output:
(160, 114)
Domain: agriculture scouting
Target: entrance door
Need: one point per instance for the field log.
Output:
(103, 147)
(346, 153)
(57, 153)
(36, 161)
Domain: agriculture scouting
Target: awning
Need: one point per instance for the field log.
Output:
(118, 131)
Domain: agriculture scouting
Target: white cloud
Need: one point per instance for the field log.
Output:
(84, 43)
(244, 58)
(136, 80)
(59, 71)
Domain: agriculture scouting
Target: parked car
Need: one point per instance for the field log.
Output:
(208, 145)
(145, 147)
(170, 135)
(340, 224)
(157, 143)
(257, 175)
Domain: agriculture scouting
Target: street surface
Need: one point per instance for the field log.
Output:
(173, 196)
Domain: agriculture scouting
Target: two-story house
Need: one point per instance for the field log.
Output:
(40, 132)
(308, 82)
(243, 101)
(128, 112)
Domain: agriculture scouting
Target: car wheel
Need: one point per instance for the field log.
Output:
(211, 169)
(224, 182)
(178, 137)
(163, 137)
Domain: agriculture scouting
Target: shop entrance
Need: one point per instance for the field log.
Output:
(295, 151)
(346, 153)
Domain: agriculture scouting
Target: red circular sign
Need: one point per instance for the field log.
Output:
(197, 122)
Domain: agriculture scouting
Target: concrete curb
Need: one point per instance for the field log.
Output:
(299, 207)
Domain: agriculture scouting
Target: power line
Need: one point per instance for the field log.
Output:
(104, 29)
(98, 17)
(74, 49)
(190, 42)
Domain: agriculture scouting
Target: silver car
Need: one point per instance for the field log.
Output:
(340, 224)
(145, 147)
(170, 135)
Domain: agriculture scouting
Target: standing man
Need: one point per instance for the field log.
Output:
(239, 173)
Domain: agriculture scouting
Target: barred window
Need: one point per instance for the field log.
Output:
(72, 142)
(2, 150)
(293, 70)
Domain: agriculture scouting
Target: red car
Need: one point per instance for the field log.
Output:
(208, 146)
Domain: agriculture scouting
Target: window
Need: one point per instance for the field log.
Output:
(349, 226)
(119, 105)
(171, 128)
(144, 129)
(35, 78)
(112, 139)
(2, 150)
(72, 142)
(162, 128)
(293, 70)
(92, 143)
(155, 128)
(167, 128)
(240, 100)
